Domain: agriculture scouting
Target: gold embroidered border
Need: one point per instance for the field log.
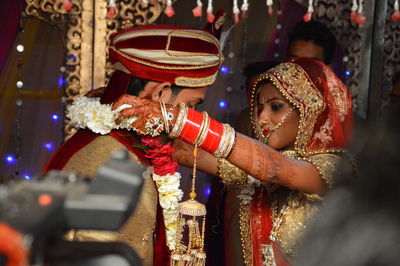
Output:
(230, 174)
(245, 234)
(195, 82)
(325, 164)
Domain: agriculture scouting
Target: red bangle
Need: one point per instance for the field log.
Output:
(191, 129)
(213, 138)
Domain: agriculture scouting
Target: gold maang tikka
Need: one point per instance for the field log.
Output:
(193, 253)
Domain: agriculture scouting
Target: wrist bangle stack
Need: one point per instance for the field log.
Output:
(210, 135)
(191, 129)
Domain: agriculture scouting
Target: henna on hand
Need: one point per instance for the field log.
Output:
(269, 165)
(143, 109)
(262, 162)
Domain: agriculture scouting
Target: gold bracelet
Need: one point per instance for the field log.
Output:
(180, 121)
(203, 133)
(231, 137)
(203, 124)
(226, 143)
(164, 114)
(222, 143)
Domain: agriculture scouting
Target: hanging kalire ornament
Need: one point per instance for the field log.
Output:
(360, 18)
(270, 8)
(169, 10)
(192, 211)
(307, 17)
(396, 13)
(198, 10)
(354, 10)
(244, 8)
(210, 14)
(67, 5)
(112, 11)
(236, 11)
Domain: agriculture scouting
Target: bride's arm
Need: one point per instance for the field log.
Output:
(253, 157)
(259, 161)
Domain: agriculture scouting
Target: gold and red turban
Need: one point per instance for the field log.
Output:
(183, 56)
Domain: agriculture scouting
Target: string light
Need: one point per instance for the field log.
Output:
(55, 117)
(222, 104)
(27, 177)
(10, 159)
(20, 48)
(207, 191)
(347, 73)
(61, 81)
(224, 69)
(13, 159)
(49, 146)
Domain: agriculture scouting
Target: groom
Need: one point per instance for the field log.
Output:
(159, 62)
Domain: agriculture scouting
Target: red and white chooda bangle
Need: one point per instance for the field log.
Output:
(210, 135)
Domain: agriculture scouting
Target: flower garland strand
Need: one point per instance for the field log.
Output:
(270, 8)
(210, 14)
(396, 11)
(198, 10)
(245, 8)
(354, 9)
(307, 17)
(169, 10)
(167, 180)
(360, 18)
(236, 11)
(112, 10)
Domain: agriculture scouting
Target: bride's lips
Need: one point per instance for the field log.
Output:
(266, 132)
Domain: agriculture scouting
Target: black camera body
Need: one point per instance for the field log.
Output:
(44, 209)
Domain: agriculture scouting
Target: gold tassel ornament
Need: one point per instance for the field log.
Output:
(193, 253)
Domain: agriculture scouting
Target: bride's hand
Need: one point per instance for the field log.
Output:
(143, 115)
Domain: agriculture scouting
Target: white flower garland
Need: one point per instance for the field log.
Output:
(169, 196)
(90, 113)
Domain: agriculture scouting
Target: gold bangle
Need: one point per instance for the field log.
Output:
(231, 136)
(180, 121)
(164, 114)
(222, 143)
(205, 118)
(203, 132)
(226, 143)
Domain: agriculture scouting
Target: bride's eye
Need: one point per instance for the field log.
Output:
(276, 107)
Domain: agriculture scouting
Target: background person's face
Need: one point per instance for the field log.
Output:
(307, 49)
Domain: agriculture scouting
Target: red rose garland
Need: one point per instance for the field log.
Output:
(164, 173)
